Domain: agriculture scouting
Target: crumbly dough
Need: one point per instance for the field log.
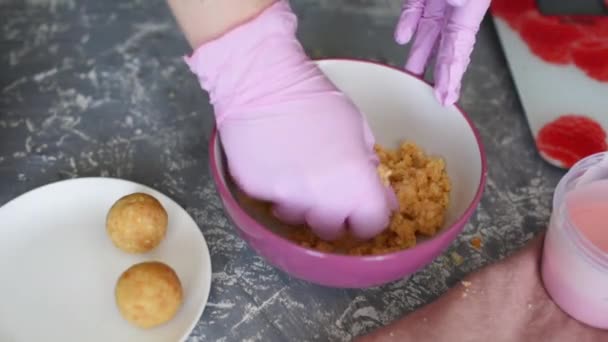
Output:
(148, 294)
(422, 186)
(137, 223)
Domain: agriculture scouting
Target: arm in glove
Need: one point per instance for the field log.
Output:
(290, 136)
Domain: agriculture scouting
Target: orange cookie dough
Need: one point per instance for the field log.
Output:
(137, 223)
(148, 294)
(422, 186)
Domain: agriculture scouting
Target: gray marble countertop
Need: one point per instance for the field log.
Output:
(98, 88)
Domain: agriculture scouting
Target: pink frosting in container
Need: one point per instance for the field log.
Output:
(575, 254)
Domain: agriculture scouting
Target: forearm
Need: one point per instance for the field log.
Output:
(205, 20)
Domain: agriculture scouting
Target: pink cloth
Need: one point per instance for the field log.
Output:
(502, 302)
(290, 136)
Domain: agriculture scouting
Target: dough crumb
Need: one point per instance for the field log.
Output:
(476, 242)
(457, 258)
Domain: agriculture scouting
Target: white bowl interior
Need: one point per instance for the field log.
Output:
(401, 107)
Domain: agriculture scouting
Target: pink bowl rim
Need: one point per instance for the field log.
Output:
(260, 230)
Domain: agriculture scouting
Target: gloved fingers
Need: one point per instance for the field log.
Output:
(370, 140)
(358, 201)
(290, 214)
(372, 213)
(326, 216)
(429, 28)
(457, 3)
(327, 220)
(408, 20)
(448, 78)
(289, 197)
(469, 15)
(457, 42)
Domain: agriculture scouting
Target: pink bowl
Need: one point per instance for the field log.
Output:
(397, 106)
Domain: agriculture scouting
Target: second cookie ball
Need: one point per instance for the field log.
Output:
(149, 294)
(137, 223)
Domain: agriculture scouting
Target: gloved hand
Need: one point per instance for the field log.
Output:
(446, 28)
(291, 138)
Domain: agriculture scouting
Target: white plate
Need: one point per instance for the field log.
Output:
(58, 268)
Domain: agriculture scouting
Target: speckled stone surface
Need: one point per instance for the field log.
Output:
(98, 88)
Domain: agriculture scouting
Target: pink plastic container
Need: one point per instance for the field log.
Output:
(574, 269)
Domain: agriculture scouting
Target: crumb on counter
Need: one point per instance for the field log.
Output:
(422, 187)
(457, 258)
(476, 242)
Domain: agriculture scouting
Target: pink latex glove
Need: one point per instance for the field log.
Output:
(444, 27)
(291, 138)
(502, 302)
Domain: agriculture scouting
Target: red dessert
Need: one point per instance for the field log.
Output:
(512, 10)
(592, 57)
(548, 37)
(571, 138)
(582, 40)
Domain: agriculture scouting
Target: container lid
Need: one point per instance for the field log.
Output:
(595, 172)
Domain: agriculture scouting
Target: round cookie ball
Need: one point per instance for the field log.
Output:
(148, 294)
(137, 223)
